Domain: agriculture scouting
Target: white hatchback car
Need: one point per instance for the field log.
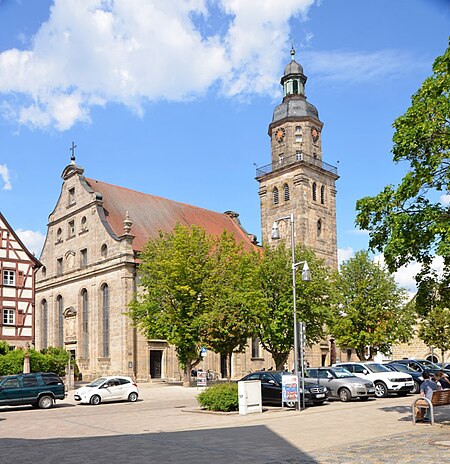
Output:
(385, 381)
(113, 388)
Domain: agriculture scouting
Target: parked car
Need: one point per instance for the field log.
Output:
(421, 365)
(341, 383)
(271, 388)
(417, 376)
(40, 389)
(113, 388)
(385, 381)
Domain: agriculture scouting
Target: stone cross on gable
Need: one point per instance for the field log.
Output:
(72, 149)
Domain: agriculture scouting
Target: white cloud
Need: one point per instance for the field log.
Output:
(445, 200)
(358, 232)
(93, 52)
(405, 276)
(354, 67)
(344, 254)
(33, 240)
(4, 173)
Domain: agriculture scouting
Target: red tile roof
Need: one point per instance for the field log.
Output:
(151, 214)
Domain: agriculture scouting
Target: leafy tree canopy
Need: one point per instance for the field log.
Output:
(276, 313)
(230, 296)
(409, 222)
(169, 306)
(371, 309)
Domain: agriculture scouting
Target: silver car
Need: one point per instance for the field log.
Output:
(341, 383)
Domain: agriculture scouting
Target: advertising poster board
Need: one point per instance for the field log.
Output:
(289, 388)
(201, 378)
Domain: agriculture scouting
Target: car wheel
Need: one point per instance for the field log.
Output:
(45, 402)
(290, 404)
(381, 390)
(345, 395)
(133, 396)
(416, 388)
(95, 399)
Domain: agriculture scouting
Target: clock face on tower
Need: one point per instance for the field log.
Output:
(280, 133)
(315, 134)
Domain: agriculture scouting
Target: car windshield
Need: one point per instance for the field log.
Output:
(429, 364)
(403, 368)
(96, 383)
(374, 367)
(341, 373)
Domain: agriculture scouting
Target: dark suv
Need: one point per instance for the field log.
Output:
(38, 389)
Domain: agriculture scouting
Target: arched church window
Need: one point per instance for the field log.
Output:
(275, 196)
(59, 235)
(322, 195)
(83, 224)
(104, 250)
(286, 192)
(84, 322)
(314, 191)
(298, 134)
(44, 271)
(60, 309)
(44, 310)
(319, 228)
(295, 87)
(105, 320)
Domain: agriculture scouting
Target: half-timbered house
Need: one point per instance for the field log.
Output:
(17, 267)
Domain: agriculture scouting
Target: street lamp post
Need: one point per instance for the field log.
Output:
(306, 276)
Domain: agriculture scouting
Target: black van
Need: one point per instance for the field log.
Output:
(40, 389)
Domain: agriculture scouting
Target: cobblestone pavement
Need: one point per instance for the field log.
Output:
(165, 426)
(427, 445)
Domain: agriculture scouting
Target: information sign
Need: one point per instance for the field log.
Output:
(201, 378)
(289, 388)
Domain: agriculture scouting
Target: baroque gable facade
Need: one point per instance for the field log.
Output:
(89, 274)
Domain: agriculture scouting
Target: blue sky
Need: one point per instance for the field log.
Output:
(174, 97)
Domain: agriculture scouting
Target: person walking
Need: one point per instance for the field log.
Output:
(427, 388)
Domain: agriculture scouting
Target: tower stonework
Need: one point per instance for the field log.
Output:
(298, 181)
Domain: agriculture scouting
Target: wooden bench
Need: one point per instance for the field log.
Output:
(439, 398)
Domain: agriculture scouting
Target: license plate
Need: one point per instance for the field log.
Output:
(320, 395)
(371, 390)
(409, 384)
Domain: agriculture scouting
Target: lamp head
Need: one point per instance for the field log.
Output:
(275, 235)
(306, 273)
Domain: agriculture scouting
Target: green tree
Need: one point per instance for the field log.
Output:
(230, 297)
(408, 222)
(432, 303)
(276, 312)
(370, 310)
(4, 347)
(169, 306)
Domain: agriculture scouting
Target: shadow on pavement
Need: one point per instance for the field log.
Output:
(255, 444)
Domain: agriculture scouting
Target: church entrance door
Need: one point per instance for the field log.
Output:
(155, 364)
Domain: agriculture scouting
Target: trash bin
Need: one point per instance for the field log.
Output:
(249, 392)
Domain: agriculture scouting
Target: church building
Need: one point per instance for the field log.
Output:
(96, 231)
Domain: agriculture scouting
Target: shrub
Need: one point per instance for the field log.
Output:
(221, 397)
(48, 360)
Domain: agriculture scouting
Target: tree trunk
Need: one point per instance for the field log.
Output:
(280, 360)
(442, 357)
(187, 374)
(229, 366)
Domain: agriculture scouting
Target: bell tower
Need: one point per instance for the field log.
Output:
(298, 181)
